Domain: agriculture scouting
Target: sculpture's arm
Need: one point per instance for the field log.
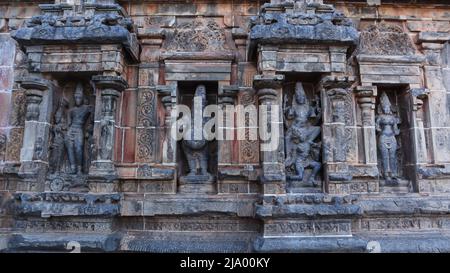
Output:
(289, 112)
(396, 129)
(377, 125)
(69, 118)
(318, 113)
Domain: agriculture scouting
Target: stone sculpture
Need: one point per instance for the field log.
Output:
(72, 131)
(301, 149)
(59, 131)
(196, 150)
(74, 139)
(387, 125)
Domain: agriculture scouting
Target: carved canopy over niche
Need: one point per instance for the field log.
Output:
(385, 39)
(200, 34)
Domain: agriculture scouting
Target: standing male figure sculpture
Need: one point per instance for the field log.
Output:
(300, 136)
(74, 140)
(387, 125)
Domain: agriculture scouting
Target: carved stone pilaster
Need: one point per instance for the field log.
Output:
(271, 132)
(34, 152)
(366, 98)
(168, 100)
(336, 134)
(418, 128)
(227, 95)
(108, 89)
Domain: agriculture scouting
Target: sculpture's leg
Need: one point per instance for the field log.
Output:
(299, 168)
(204, 164)
(192, 163)
(316, 168)
(79, 145)
(393, 160)
(59, 158)
(385, 161)
(313, 133)
(71, 155)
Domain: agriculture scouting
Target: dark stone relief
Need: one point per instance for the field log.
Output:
(303, 146)
(71, 148)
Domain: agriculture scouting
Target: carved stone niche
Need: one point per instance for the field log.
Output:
(395, 151)
(302, 120)
(197, 155)
(72, 145)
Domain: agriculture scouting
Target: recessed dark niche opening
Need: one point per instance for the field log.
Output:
(186, 91)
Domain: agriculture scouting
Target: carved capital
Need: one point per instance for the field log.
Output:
(265, 82)
(366, 98)
(332, 82)
(34, 92)
(109, 83)
(227, 94)
(419, 95)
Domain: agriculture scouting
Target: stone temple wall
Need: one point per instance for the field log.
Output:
(358, 94)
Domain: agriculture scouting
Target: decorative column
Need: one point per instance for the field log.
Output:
(336, 138)
(227, 95)
(433, 47)
(34, 152)
(168, 100)
(271, 133)
(417, 131)
(107, 90)
(366, 98)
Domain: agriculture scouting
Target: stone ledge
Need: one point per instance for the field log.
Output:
(315, 205)
(48, 204)
(197, 205)
(314, 244)
(405, 205)
(54, 242)
(411, 243)
(189, 242)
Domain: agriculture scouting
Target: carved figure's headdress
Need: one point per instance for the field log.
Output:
(384, 102)
(200, 90)
(299, 91)
(79, 89)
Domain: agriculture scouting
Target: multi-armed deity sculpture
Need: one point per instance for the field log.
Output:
(387, 125)
(71, 131)
(302, 149)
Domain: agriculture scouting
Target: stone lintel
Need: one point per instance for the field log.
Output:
(198, 56)
(393, 59)
(435, 37)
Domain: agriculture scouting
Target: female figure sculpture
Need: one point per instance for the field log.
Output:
(387, 125)
(59, 131)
